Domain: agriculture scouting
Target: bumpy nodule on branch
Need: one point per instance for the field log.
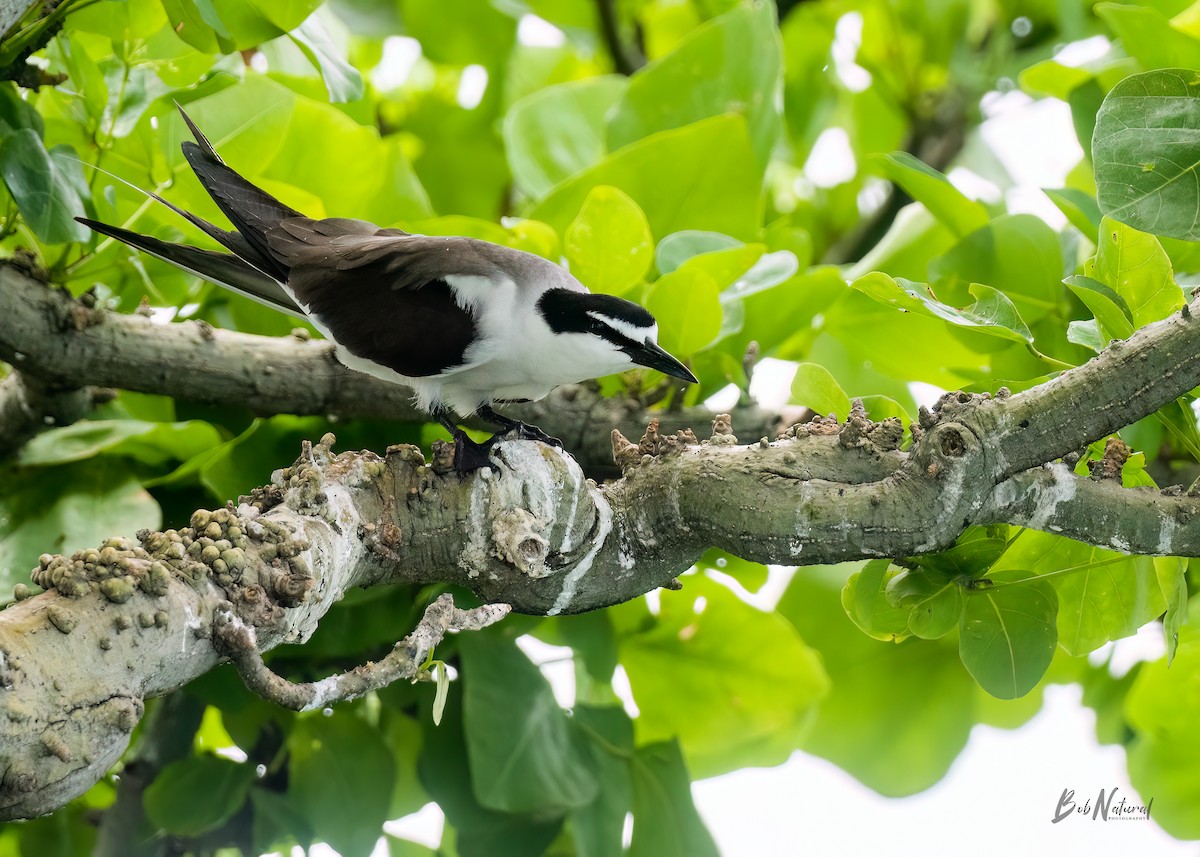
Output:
(127, 621)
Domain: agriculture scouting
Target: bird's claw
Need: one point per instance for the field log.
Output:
(524, 431)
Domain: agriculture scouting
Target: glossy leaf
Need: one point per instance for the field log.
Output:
(992, 313)
(43, 185)
(559, 131)
(1147, 151)
(732, 64)
(687, 305)
(534, 763)
(1007, 633)
(337, 766)
(1134, 265)
(151, 443)
(700, 176)
(609, 245)
(865, 600)
(665, 821)
(342, 80)
(726, 709)
(598, 828)
(932, 189)
(196, 794)
(814, 387)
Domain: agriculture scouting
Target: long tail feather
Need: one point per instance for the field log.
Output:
(224, 269)
(251, 210)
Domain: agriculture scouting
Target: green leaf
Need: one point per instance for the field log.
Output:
(197, 794)
(68, 508)
(278, 822)
(609, 245)
(814, 387)
(1102, 595)
(1110, 309)
(598, 828)
(1147, 35)
(732, 64)
(934, 603)
(1018, 254)
(147, 442)
(446, 775)
(1080, 208)
(914, 746)
(971, 555)
(700, 176)
(559, 131)
(342, 80)
(1146, 152)
(1135, 266)
(340, 778)
(665, 821)
(1007, 634)
(865, 600)
(1162, 708)
(687, 305)
(992, 313)
(17, 114)
(678, 247)
(933, 190)
(1172, 579)
(729, 706)
(43, 185)
(533, 764)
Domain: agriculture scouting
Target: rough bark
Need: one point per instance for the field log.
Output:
(62, 343)
(125, 622)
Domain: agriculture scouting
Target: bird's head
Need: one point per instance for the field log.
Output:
(619, 332)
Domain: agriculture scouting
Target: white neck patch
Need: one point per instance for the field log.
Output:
(633, 331)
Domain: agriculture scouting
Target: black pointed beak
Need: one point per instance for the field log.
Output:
(650, 355)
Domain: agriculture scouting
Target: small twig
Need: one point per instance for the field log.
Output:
(626, 60)
(407, 658)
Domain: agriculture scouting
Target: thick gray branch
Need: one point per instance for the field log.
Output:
(64, 344)
(126, 622)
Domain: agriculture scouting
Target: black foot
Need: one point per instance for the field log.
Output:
(516, 428)
(470, 456)
(524, 431)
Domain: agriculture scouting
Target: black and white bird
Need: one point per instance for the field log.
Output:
(463, 322)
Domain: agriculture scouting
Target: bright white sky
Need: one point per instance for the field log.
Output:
(1000, 795)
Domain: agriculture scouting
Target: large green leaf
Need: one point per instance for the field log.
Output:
(446, 775)
(45, 186)
(147, 442)
(687, 306)
(67, 508)
(933, 190)
(1134, 265)
(865, 600)
(340, 778)
(814, 387)
(598, 828)
(1110, 309)
(732, 64)
(609, 244)
(1007, 633)
(1162, 709)
(665, 821)
(1102, 595)
(196, 794)
(913, 747)
(1017, 254)
(729, 706)
(1146, 152)
(533, 764)
(992, 313)
(342, 80)
(700, 176)
(1147, 34)
(559, 131)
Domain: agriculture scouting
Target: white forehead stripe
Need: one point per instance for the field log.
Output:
(633, 331)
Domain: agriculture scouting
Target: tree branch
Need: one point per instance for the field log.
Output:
(63, 344)
(27, 407)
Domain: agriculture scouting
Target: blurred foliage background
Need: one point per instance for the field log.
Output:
(752, 172)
